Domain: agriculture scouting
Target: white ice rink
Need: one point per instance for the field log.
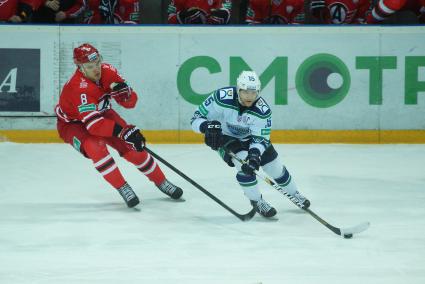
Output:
(60, 222)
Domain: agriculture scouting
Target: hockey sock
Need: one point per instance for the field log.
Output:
(103, 162)
(285, 181)
(280, 174)
(147, 165)
(249, 186)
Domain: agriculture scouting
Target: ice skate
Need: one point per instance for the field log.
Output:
(263, 208)
(170, 189)
(300, 200)
(128, 195)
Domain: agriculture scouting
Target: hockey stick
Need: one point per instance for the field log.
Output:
(344, 232)
(242, 217)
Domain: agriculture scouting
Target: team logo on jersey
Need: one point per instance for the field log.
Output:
(261, 104)
(226, 94)
(277, 2)
(237, 129)
(83, 84)
(210, 2)
(243, 118)
(339, 13)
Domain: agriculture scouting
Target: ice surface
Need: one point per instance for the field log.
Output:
(60, 222)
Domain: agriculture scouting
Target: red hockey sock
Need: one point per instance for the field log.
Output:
(96, 150)
(147, 165)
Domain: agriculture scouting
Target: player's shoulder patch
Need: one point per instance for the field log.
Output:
(261, 109)
(262, 106)
(225, 96)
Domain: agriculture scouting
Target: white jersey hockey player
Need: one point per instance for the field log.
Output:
(240, 120)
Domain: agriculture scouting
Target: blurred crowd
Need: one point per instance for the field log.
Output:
(214, 12)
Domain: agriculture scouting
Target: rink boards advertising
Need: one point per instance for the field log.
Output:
(324, 84)
(19, 80)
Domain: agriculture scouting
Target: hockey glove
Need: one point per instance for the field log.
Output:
(228, 159)
(192, 16)
(275, 20)
(252, 162)
(120, 91)
(132, 136)
(317, 7)
(219, 17)
(213, 133)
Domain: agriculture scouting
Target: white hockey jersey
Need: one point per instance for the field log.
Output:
(253, 123)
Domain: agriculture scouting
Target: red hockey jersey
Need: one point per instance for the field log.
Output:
(127, 12)
(83, 100)
(205, 5)
(289, 11)
(88, 8)
(346, 11)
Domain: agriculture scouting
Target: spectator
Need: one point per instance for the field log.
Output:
(276, 12)
(339, 11)
(103, 12)
(77, 10)
(198, 12)
(18, 11)
(47, 12)
(127, 12)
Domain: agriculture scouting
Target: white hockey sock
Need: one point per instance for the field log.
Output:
(252, 193)
(249, 186)
(281, 175)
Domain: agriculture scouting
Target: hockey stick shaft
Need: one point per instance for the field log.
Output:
(346, 233)
(243, 217)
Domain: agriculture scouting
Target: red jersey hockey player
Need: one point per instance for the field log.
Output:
(275, 12)
(340, 11)
(386, 8)
(103, 12)
(195, 12)
(87, 122)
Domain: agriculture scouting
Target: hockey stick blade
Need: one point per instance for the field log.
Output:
(346, 233)
(243, 217)
(248, 216)
(349, 232)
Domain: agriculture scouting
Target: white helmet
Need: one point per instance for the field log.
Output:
(248, 80)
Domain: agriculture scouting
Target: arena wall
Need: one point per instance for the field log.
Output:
(334, 84)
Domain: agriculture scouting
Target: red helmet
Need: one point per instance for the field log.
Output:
(85, 53)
